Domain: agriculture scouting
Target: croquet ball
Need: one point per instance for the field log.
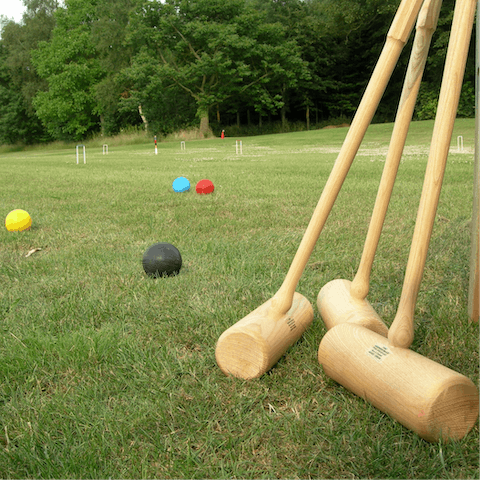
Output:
(18, 220)
(181, 184)
(162, 259)
(204, 186)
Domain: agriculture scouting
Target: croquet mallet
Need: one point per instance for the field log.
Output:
(426, 397)
(340, 300)
(255, 343)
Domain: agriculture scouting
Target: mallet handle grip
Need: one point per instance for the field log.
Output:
(401, 331)
(426, 25)
(398, 34)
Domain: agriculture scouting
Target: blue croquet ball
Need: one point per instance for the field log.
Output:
(181, 184)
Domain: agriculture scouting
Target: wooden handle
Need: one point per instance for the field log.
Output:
(404, 19)
(426, 25)
(474, 277)
(396, 39)
(401, 331)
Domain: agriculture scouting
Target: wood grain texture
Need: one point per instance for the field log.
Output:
(404, 20)
(474, 279)
(337, 305)
(402, 329)
(426, 25)
(424, 396)
(255, 343)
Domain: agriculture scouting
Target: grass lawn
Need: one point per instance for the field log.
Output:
(106, 373)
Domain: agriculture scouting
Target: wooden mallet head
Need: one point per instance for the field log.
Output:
(424, 396)
(337, 305)
(254, 344)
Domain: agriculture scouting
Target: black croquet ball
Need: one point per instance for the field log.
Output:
(162, 259)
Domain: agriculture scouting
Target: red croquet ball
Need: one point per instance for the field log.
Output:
(204, 186)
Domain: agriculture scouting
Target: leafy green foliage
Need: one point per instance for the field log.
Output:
(108, 36)
(70, 65)
(90, 67)
(14, 125)
(19, 123)
(215, 51)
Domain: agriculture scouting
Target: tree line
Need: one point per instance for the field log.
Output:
(73, 69)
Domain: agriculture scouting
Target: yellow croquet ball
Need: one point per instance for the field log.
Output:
(18, 220)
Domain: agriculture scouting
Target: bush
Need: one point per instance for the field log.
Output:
(427, 101)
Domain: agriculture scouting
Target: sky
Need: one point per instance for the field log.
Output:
(12, 9)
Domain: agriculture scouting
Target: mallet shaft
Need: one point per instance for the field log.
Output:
(402, 329)
(397, 36)
(426, 25)
(341, 300)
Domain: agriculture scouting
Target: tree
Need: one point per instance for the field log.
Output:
(216, 50)
(342, 40)
(108, 35)
(19, 79)
(163, 105)
(70, 65)
(14, 124)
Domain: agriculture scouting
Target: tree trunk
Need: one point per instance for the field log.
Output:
(308, 117)
(143, 118)
(202, 114)
(204, 126)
